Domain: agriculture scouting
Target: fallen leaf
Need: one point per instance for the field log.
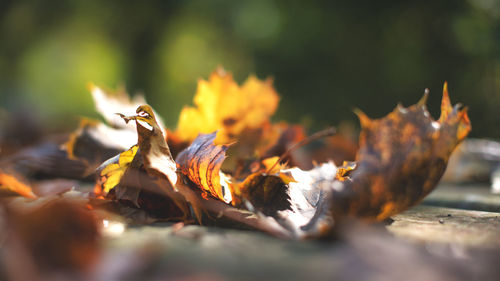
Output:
(114, 168)
(401, 159)
(146, 174)
(201, 163)
(221, 104)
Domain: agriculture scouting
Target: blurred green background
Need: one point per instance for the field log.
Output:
(326, 57)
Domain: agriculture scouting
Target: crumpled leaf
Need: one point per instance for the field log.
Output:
(220, 104)
(255, 145)
(201, 163)
(146, 174)
(401, 159)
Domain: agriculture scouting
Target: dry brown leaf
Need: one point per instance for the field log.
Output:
(145, 176)
(401, 159)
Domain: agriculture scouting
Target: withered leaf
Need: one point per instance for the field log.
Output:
(201, 163)
(93, 142)
(146, 174)
(401, 159)
(265, 193)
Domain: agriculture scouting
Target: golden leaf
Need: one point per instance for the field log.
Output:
(114, 171)
(201, 162)
(221, 104)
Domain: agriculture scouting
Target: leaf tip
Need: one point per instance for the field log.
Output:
(464, 125)
(446, 107)
(364, 120)
(423, 99)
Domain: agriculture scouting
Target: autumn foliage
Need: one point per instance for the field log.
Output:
(227, 161)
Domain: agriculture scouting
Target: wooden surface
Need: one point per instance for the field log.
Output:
(428, 242)
(466, 215)
(449, 226)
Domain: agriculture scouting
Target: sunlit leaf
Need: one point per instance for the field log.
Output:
(115, 168)
(201, 162)
(221, 104)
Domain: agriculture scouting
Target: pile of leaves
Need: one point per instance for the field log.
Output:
(226, 164)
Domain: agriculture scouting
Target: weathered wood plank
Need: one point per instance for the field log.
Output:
(447, 225)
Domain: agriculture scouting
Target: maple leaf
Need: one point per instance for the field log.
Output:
(401, 159)
(223, 105)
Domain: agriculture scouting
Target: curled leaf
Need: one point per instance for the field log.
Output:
(401, 159)
(145, 175)
(201, 163)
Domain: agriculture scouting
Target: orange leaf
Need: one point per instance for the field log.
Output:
(201, 163)
(221, 104)
(10, 183)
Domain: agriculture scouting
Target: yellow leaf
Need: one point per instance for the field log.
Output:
(113, 172)
(221, 104)
(10, 183)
